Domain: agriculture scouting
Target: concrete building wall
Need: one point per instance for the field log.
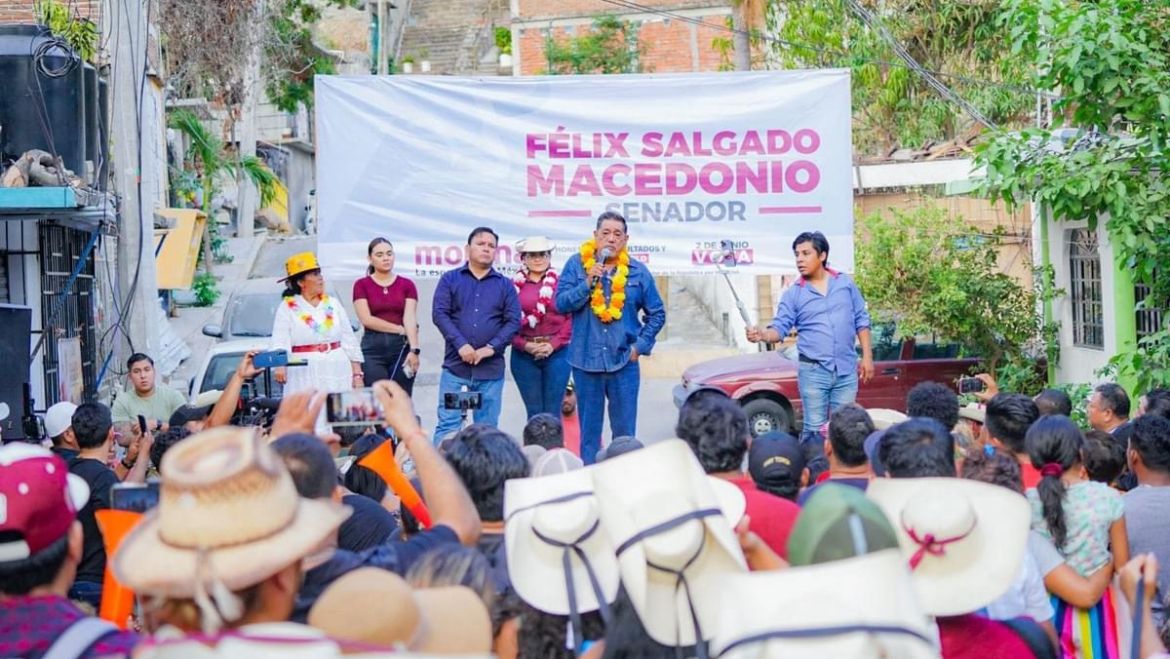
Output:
(1079, 364)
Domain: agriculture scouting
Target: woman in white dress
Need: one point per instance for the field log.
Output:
(314, 328)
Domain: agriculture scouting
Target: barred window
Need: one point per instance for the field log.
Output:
(1147, 321)
(1085, 284)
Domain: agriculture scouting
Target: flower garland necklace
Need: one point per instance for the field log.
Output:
(321, 329)
(607, 313)
(548, 284)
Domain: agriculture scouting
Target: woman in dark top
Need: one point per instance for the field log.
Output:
(540, 363)
(387, 306)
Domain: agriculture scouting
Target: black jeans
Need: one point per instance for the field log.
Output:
(385, 356)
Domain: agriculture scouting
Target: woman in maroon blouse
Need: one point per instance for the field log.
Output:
(540, 363)
(387, 306)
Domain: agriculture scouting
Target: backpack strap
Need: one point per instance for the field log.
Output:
(1033, 635)
(78, 638)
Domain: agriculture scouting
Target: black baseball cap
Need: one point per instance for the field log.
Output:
(775, 459)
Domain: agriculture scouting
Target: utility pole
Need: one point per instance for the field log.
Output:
(245, 128)
(383, 35)
(133, 117)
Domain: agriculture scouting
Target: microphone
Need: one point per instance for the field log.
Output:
(602, 257)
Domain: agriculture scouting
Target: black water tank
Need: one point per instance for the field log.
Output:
(37, 110)
(92, 134)
(103, 118)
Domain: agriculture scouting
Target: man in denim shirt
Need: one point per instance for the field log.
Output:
(608, 335)
(828, 313)
(478, 313)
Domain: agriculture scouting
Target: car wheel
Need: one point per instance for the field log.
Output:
(765, 415)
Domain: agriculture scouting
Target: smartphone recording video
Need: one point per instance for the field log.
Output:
(359, 407)
(135, 497)
(462, 400)
(971, 385)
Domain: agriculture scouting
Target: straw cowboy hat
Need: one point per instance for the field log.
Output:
(228, 516)
(964, 539)
(674, 541)
(883, 418)
(299, 264)
(864, 607)
(535, 244)
(377, 607)
(560, 559)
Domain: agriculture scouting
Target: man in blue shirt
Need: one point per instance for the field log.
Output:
(829, 315)
(606, 291)
(477, 312)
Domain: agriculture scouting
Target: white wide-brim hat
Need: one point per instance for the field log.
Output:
(883, 417)
(862, 607)
(562, 509)
(228, 514)
(674, 540)
(964, 539)
(535, 244)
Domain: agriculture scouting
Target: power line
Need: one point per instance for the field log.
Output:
(629, 4)
(946, 92)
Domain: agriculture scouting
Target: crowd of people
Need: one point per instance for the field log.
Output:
(920, 538)
(997, 529)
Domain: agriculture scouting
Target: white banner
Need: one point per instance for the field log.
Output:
(689, 160)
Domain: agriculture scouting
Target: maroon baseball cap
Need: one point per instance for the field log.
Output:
(39, 500)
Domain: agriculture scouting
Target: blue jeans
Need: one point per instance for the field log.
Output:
(541, 381)
(451, 420)
(822, 392)
(620, 388)
(88, 592)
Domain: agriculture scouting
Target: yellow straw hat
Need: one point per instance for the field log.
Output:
(299, 264)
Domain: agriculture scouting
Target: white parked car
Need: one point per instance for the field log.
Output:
(221, 361)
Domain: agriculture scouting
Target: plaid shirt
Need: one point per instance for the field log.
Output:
(29, 625)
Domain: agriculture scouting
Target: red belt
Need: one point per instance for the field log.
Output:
(317, 347)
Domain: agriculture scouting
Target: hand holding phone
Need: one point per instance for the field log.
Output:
(971, 385)
(270, 359)
(141, 425)
(359, 407)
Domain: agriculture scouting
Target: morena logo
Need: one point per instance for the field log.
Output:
(743, 256)
(457, 255)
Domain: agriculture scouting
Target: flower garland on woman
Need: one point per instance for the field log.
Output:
(540, 365)
(611, 311)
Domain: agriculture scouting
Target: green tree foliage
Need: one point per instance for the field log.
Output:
(892, 105)
(932, 273)
(291, 59)
(1105, 157)
(611, 46)
(63, 21)
(209, 159)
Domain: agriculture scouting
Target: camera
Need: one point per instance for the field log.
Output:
(462, 400)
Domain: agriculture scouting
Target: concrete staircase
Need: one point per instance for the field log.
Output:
(456, 36)
(690, 335)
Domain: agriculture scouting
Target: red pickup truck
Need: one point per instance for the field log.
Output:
(765, 383)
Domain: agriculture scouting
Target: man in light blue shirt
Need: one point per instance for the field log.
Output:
(617, 314)
(829, 315)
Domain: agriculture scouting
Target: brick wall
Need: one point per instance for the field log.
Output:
(21, 11)
(537, 9)
(670, 45)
